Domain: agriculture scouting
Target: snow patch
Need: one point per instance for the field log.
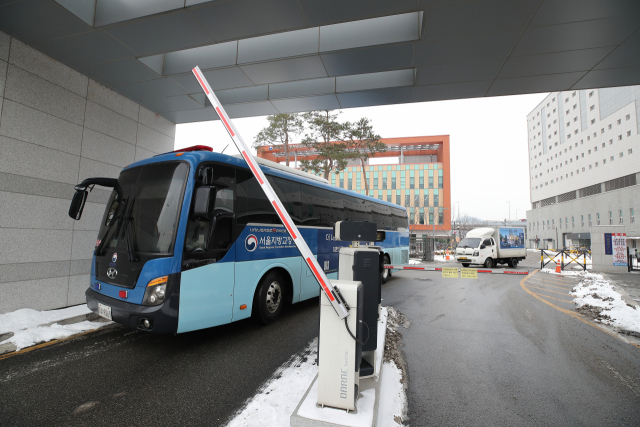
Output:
(580, 273)
(25, 325)
(414, 261)
(275, 402)
(598, 299)
(392, 397)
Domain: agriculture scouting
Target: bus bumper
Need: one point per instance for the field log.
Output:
(163, 318)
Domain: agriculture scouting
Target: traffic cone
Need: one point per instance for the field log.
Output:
(558, 269)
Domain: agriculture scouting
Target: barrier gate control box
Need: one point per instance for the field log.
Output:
(363, 264)
(339, 355)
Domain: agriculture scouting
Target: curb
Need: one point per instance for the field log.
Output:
(403, 267)
(10, 347)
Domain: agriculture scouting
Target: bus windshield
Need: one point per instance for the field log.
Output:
(145, 219)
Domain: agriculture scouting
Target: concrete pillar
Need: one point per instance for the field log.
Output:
(58, 127)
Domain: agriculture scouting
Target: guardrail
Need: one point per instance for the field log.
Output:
(572, 256)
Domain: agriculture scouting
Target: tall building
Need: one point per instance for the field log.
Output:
(583, 165)
(413, 172)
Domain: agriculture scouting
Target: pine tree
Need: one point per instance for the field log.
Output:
(279, 132)
(362, 143)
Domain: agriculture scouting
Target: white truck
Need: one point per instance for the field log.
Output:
(492, 246)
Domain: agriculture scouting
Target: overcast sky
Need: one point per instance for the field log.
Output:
(488, 145)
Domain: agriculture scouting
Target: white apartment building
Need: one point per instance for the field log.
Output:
(584, 165)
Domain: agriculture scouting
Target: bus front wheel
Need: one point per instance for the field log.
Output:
(386, 273)
(268, 301)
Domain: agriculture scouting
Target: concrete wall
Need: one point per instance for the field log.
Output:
(58, 127)
(602, 262)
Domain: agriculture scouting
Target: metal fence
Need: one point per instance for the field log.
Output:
(564, 258)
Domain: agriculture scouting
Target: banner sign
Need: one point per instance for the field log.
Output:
(619, 246)
(608, 250)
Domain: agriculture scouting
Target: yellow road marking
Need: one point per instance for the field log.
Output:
(553, 279)
(548, 290)
(558, 287)
(569, 312)
(555, 298)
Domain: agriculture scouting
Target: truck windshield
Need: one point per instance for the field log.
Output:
(469, 242)
(145, 219)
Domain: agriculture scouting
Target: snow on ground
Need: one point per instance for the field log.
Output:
(571, 273)
(414, 261)
(275, 402)
(598, 299)
(24, 323)
(443, 258)
(392, 397)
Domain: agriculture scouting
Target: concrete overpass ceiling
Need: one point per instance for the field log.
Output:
(269, 56)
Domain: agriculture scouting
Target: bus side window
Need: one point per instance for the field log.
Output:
(252, 204)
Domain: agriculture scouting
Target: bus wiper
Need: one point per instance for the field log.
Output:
(128, 225)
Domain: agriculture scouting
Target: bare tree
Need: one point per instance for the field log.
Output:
(279, 131)
(466, 223)
(362, 143)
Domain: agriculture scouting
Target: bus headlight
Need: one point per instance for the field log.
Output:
(156, 291)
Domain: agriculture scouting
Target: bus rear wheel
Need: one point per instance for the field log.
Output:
(268, 301)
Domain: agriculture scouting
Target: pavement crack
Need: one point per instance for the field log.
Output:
(437, 318)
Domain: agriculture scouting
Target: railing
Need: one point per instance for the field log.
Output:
(558, 256)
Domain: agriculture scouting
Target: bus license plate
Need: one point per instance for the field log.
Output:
(462, 257)
(104, 311)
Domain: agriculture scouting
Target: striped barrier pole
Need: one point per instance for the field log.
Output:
(411, 267)
(306, 253)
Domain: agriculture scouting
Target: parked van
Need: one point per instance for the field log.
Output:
(492, 246)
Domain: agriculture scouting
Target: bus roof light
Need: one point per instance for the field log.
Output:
(194, 148)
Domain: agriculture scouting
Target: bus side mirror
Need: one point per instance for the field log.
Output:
(204, 204)
(77, 204)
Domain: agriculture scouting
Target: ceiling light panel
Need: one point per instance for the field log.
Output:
(111, 11)
(375, 80)
(206, 57)
(370, 32)
(275, 46)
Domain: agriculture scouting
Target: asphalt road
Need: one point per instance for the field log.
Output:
(495, 352)
(117, 377)
(499, 350)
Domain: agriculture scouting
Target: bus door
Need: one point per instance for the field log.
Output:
(206, 286)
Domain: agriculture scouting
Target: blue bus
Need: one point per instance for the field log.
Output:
(188, 240)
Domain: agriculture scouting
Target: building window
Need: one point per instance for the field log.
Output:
(632, 217)
(435, 200)
(619, 121)
(598, 218)
(560, 223)
(628, 133)
(553, 223)
(582, 219)
(590, 94)
(393, 182)
(610, 218)
(350, 183)
(389, 198)
(573, 224)
(398, 199)
(628, 116)
(589, 220)
(426, 199)
(407, 201)
(411, 182)
(630, 150)
(430, 182)
(621, 219)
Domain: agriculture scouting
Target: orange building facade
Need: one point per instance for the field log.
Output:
(417, 177)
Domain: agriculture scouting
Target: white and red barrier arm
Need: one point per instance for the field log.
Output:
(306, 253)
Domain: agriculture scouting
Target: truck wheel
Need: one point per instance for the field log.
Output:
(488, 263)
(386, 273)
(268, 301)
(513, 263)
(465, 264)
